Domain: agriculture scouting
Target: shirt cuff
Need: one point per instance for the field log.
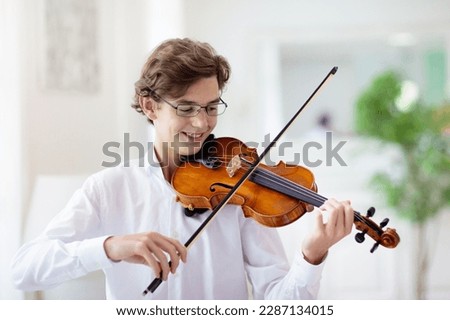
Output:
(92, 254)
(310, 273)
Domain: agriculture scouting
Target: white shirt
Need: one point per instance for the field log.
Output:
(232, 252)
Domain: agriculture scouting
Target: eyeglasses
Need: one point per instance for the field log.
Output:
(192, 109)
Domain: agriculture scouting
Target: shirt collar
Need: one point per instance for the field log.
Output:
(152, 164)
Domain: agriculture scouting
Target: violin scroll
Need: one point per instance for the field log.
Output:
(387, 238)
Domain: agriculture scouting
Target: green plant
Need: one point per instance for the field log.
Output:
(418, 131)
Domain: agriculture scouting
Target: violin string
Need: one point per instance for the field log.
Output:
(284, 182)
(301, 190)
(281, 181)
(297, 188)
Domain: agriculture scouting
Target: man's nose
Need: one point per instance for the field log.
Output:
(201, 119)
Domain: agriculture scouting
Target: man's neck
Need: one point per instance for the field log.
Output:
(168, 161)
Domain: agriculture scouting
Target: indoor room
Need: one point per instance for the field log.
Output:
(377, 133)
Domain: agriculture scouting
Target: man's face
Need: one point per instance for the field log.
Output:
(185, 135)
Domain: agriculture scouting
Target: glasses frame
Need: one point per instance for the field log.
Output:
(196, 105)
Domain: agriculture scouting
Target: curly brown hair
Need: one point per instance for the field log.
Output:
(175, 65)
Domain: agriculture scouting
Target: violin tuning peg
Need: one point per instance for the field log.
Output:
(360, 237)
(375, 246)
(370, 212)
(384, 222)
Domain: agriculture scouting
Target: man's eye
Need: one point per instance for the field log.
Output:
(186, 108)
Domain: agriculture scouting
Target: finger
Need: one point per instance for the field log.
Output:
(329, 204)
(344, 214)
(339, 211)
(168, 247)
(149, 259)
(329, 207)
(181, 249)
(175, 250)
(349, 217)
(162, 259)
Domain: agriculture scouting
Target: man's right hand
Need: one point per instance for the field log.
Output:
(149, 248)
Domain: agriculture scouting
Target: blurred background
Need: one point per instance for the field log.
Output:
(67, 73)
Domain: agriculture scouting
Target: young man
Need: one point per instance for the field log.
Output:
(125, 220)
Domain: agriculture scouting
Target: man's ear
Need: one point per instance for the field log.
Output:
(148, 106)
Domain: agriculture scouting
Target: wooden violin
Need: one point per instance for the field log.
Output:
(273, 195)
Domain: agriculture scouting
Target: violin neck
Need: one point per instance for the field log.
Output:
(278, 183)
(272, 181)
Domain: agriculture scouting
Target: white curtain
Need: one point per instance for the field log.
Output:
(10, 143)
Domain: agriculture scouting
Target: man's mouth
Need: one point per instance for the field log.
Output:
(194, 137)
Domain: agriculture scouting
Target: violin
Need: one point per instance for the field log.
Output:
(274, 196)
(232, 173)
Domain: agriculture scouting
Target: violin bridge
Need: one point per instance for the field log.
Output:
(233, 166)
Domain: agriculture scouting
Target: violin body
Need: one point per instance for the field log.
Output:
(200, 186)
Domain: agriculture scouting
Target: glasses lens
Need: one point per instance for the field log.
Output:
(215, 109)
(191, 110)
(187, 110)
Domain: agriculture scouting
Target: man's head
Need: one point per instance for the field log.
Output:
(174, 66)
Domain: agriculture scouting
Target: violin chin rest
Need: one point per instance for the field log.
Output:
(191, 212)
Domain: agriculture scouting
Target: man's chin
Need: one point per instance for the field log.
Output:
(188, 151)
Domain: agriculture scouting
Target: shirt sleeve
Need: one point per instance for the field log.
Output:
(268, 270)
(71, 246)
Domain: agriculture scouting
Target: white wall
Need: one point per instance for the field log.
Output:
(317, 30)
(11, 137)
(67, 127)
